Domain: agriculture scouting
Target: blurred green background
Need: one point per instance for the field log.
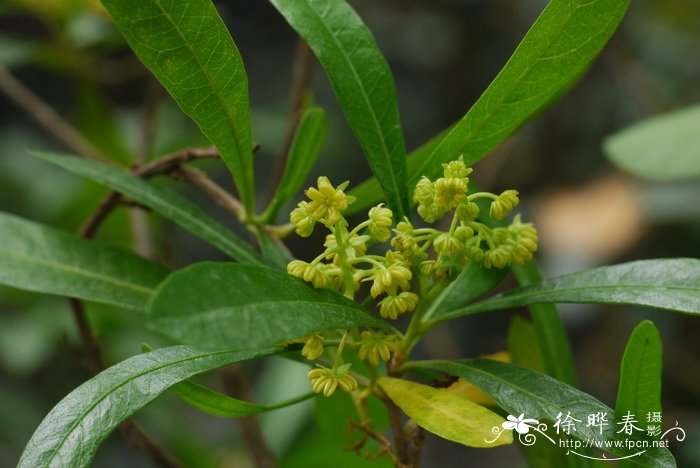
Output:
(443, 54)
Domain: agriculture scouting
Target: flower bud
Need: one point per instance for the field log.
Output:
(504, 204)
(394, 305)
(313, 347)
(379, 223)
(376, 346)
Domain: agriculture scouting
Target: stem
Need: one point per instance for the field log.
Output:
(341, 232)
(237, 385)
(47, 117)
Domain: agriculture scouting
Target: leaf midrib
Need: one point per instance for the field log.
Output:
(219, 98)
(80, 272)
(92, 406)
(375, 121)
(497, 301)
(490, 115)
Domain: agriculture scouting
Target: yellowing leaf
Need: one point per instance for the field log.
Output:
(443, 413)
(468, 390)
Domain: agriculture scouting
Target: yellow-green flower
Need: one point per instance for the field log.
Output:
(357, 247)
(327, 202)
(313, 274)
(504, 204)
(326, 381)
(450, 191)
(394, 305)
(390, 279)
(379, 223)
(376, 346)
(303, 221)
(313, 347)
(456, 168)
(425, 192)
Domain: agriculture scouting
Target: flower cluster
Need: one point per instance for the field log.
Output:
(409, 269)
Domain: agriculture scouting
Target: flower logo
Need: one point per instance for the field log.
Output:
(520, 424)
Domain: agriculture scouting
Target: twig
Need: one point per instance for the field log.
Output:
(215, 191)
(140, 229)
(415, 443)
(301, 74)
(94, 363)
(171, 162)
(47, 117)
(237, 385)
(384, 444)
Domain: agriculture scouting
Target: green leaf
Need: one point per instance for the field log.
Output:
(639, 390)
(368, 193)
(559, 47)
(232, 306)
(522, 391)
(188, 48)
(165, 202)
(665, 147)
(444, 413)
(472, 282)
(521, 344)
(303, 152)
(554, 54)
(43, 259)
(218, 404)
(672, 284)
(74, 429)
(552, 341)
(362, 81)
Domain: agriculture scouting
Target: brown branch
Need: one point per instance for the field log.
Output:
(301, 75)
(215, 191)
(47, 117)
(385, 446)
(237, 385)
(416, 439)
(172, 162)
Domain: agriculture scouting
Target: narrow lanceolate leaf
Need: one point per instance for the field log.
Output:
(165, 202)
(639, 390)
(306, 145)
(224, 406)
(666, 147)
(555, 53)
(522, 391)
(43, 259)
(233, 306)
(552, 340)
(188, 48)
(472, 282)
(362, 82)
(445, 413)
(74, 429)
(558, 48)
(672, 284)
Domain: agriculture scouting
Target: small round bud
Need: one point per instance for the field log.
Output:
(425, 192)
(447, 244)
(303, 221)
(379, 223)
(313, 347)
(467, 212)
